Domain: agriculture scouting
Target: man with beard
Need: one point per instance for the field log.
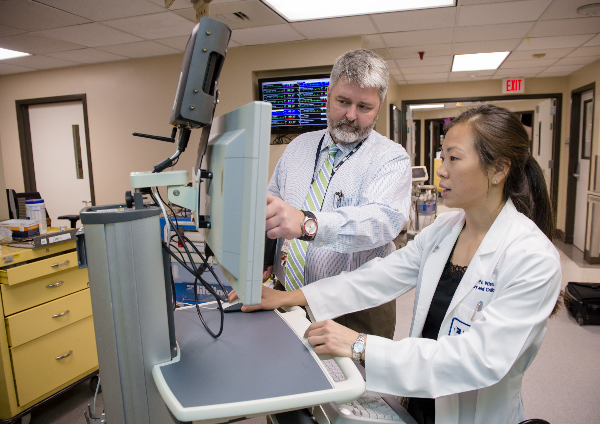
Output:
(338, 197)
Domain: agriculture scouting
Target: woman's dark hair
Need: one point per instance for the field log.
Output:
(500, 138)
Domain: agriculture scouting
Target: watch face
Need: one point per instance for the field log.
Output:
(310, 227)
(358, 347)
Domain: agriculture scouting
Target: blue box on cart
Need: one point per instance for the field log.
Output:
(184, 284)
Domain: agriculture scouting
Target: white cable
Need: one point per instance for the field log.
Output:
(162, 207)
(96, 395)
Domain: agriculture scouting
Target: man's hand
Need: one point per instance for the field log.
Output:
(273, 299)
(282, 219)
(332, 338)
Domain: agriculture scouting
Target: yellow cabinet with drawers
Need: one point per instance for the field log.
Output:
(47, 342)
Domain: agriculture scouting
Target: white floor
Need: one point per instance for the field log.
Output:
(561, 386)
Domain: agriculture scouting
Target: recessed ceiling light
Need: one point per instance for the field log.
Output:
(478, 61)
(432, 106)
(9, 54)
(306, 10)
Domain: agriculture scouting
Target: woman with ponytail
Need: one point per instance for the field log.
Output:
(486, 280)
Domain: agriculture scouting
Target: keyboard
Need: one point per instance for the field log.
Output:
(365, 409)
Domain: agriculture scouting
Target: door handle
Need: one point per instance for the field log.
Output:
(576, 176)
(60, 264)
(51, 286)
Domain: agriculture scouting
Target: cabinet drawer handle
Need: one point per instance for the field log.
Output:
(61, 315)
(51, 286)
(58, 358)
(60, 264)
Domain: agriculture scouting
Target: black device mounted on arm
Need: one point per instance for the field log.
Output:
(197, 95)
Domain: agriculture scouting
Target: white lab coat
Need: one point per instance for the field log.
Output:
(476, 373)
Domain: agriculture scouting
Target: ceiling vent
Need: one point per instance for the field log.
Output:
(233, 17)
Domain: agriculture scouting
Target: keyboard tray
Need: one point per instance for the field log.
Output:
(259, 365)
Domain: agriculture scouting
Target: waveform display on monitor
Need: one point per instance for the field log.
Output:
(297, 103)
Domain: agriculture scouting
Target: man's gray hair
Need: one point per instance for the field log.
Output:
(362, 67)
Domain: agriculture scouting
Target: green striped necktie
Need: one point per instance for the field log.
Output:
(296, 255)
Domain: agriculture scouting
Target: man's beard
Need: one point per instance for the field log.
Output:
(343, 136)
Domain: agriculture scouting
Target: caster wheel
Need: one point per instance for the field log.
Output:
(579, 319)
(94, 383)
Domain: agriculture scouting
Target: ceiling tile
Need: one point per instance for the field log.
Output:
(552, 74)
(433, 81)
(461, 78)
(502, 13)
(266, 35)
(395, 72)
(585, 51)
(550, 54)
(36, 44)
(390, 64)
(593, 42)
(339, 27)
(39, 62)
(181, 4)
(486, 46)
(87, 56)
(400, 82)
(492, 32)
(189, 13)
(412, 20)
(234, 44)
(432, 76)
(178, 43)
(374, 41)
(425, 70)
(564, 9)
(6, 31)
(586, 60)
(103, 10)
(139, 49)
(383, 53)
(522, 72)
(31, 16)
(565, 27)
(257, 13)
(157, 25)
(427, 61)
(91, 35)
(415, 38)
(554, 42)
(565, 68)
(413, 51)
(11, 69)
(531, 63)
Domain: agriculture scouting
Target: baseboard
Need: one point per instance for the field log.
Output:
(592, 260)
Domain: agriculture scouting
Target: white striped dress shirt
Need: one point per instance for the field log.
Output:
(375, 182)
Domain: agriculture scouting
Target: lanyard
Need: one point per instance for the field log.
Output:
(339, 164)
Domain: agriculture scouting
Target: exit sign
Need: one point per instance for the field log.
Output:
(513, 85)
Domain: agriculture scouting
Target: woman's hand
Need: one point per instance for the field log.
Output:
(273, 299)
(332, 338)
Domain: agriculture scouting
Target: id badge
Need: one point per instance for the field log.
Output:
(458, 327)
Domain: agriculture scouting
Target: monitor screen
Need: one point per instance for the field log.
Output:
(235, 198)
(299, 104)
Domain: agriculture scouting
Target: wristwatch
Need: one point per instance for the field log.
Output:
(358, 347)
(309, 226)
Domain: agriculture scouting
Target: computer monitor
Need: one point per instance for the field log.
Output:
(234, 200)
